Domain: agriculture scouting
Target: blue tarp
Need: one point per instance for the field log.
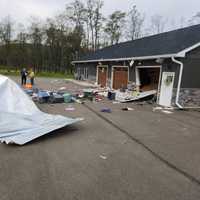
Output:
(20, 119)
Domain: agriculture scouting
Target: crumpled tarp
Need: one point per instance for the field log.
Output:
(20, 119)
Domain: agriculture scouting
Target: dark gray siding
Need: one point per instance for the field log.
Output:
(91, 67)
(191, 70)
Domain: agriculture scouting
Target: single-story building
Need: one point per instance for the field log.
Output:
(168, 62)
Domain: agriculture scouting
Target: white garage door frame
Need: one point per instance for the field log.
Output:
(137, 77)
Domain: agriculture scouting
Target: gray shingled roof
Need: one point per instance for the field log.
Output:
(171, 42)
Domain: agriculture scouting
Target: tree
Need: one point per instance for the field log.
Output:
(158, 24)
(114, 26)
(36, 38)
(6, 30)
(94, 20)
(135, 23)
(76, 13)
(195, 19)
(98, 17)
(21, 45)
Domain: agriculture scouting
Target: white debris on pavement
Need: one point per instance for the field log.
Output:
(20, 119)
(132, 96)
(103, 157)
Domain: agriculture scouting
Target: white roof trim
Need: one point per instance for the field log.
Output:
(183, 53)
(130, 58)
(179, 54)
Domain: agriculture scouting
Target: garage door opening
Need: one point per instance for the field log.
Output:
(148, 78)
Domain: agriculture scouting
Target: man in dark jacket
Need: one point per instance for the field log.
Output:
(23, 76)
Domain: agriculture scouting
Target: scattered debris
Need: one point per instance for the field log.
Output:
(67, 98)
(62, 88)
(103, 157)
(167, 112)
(56, 98)
(157, 108)
(133, 96)
(116, 102)
(106, 110)
(43, 96)
(111, 95)
(127, 109)
(70, 109)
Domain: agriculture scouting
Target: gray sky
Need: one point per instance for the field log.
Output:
(21, 10)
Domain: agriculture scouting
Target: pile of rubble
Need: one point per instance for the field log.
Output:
(92, 94)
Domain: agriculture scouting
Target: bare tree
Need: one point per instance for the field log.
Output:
(6, 31)
(98, 17)
(195, 19)
(36, 36)
(76, 13)
(135, 23)
(114, 26)
(158, 24)
(90, 21)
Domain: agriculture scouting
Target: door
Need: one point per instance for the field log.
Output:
(166, 90)
(120, 77)
(102, 76)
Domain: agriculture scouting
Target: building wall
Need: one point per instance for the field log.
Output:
(190, 86)
(91, 67)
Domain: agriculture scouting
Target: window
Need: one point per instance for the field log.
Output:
(85, 73)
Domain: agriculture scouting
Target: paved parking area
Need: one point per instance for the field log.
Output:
(102, 158)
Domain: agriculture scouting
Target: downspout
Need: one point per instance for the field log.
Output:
(179, 81)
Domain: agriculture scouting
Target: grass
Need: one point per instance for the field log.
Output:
(40, 74)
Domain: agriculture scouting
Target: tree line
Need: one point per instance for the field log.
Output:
(81, 28)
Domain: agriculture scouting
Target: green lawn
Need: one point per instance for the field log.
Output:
(40, 74)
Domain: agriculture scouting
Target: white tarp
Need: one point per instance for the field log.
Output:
(20, 119)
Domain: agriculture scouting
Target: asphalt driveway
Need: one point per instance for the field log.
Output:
(102, 158)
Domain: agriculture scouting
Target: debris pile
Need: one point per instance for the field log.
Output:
(93, 94)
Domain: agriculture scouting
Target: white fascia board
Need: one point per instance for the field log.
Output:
(183, 52)
(125, 59)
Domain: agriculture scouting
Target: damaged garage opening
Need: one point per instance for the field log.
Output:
(148, 78)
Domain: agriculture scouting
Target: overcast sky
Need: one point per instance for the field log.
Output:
(21, 10)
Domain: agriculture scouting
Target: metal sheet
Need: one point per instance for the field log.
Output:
(20, 119)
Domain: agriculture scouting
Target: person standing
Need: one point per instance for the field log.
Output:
(23, 76)
(32, 76)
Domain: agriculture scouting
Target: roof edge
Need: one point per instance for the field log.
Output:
(179, 54)
(183, 52)
(129, 58)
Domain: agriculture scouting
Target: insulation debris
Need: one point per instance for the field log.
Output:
(133, 96)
